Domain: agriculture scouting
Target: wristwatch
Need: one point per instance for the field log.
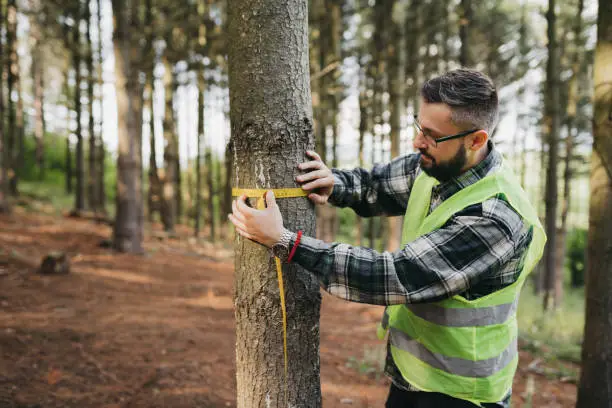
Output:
(281, 248)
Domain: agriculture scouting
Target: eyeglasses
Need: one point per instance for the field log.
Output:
(432, 141)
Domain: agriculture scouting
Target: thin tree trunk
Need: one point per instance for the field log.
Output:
(211, 193)
(128, 227)
(38, 90)
(12, 79)
(178, 193)
(200, 142)
(271, 123)
(595, 389)
(465, 21)
(91, 174)
(396, 105)
(169, 194)
(4, 160)
(154, 198)
(100, 155)
(79, 196)
(554, 124)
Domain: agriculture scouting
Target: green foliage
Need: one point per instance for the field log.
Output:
(554, 334)
(371, 363)
(576, 255)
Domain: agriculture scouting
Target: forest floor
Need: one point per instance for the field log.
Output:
(157, 330)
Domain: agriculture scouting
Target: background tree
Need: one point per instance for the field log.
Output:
(594, 390)
(271, 123)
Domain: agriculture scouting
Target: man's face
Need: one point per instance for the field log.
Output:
(445, 160)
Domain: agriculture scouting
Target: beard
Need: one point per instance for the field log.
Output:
(443, 172)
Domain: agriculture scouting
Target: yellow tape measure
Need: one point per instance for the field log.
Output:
(278, 193)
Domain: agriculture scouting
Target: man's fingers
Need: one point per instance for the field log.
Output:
(237, 212)
(317, 199)
(243, 207)
(244, 234)
(318, 183)
(313, 154)
(310, 165)
(312, 175)
(237, 223)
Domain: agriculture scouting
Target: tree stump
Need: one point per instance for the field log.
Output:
(55, 263)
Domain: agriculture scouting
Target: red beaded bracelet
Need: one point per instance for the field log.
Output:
(297, 242)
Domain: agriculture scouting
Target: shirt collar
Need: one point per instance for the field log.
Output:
(491, 163)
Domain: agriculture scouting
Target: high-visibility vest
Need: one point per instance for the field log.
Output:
(463, 348)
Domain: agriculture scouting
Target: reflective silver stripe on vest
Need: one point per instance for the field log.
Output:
(453, 365)
(457, 317)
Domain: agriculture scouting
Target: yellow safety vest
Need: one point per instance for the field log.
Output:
(463, 348)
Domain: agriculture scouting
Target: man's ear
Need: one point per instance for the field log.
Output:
(478, 139)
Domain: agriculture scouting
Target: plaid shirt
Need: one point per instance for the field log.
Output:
(478, 251)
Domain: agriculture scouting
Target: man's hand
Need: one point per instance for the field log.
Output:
(263, 226)
(319, 178)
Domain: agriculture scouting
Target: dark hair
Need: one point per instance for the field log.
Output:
(470, 94)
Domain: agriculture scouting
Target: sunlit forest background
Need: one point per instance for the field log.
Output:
(61, 113)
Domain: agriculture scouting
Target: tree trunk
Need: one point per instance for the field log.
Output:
(465, 21)
(39, 87)
(4, 205)
(154, 195)
(128, 227)
(178, 193)
(79, 196)
(594, 390)
(168, 213)
(101, 155)
(92, 199)
(200, 142)
(553, 118)
(271, 124)
(396, 105)
(12, 79)
(211, 192)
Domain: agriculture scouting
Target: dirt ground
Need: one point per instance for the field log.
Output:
(158, 330)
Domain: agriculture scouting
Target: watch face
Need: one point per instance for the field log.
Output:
(280, 252)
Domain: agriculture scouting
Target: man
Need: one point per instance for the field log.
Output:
(470, 238)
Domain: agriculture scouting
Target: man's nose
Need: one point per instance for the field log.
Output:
(419, 141)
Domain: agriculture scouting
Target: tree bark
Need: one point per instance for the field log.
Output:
(271, 125)
(595, 388)
(128, 227)
(553, 118)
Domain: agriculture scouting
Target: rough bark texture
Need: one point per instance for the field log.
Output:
(595, 388)
(553, 120)
(128, 227)
(271, 124)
